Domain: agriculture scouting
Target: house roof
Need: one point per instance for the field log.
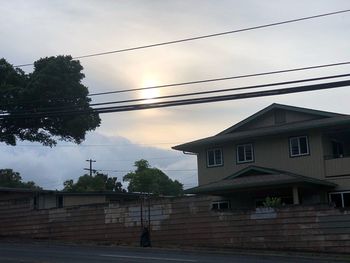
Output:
(274, 106)
(256, 177)
(328, 119)
(24, 190)
(94, 193)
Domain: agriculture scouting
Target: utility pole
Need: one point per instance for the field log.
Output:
(90, 169)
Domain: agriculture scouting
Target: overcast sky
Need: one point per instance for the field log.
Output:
(30, 30)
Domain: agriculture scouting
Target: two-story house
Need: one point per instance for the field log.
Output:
(297, 154)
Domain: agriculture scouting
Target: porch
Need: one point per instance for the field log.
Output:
(336, 147)
(249, 188)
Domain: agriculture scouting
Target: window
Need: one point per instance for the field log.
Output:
(214, 157)
(35, 202)
(340, 199)
(220, 205)
(338, 149)
(59, 201)
(245, 153)
(298, 146)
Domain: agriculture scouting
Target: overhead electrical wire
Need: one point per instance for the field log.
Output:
(167, 170)
(204, 36)
(190, 94)
(322, 86)
(98, 145)
(225, 78)
(206, 80)
(274, 92)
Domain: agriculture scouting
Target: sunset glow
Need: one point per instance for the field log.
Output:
(150, 94)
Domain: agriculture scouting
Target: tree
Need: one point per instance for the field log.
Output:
(11, 179)
(33, 103)
(151, 180)
(97, 182)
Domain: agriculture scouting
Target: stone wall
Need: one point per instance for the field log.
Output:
(186, 221)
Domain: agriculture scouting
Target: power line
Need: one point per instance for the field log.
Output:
(97, 145)
(90, 166)
(148, 158)
(201, 81)
(298, 89)
(48, 109)
(199, 93)
(204, 36)
(224, 78)
(322, 86)
(166, 170)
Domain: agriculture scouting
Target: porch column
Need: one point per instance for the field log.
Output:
(295, 195)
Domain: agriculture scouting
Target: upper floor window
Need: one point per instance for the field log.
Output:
(299, 146)
(214, 157)
(340, 199)
(338, 149)
(245, 153)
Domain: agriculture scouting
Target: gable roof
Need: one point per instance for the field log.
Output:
(326, 119)
(257, 177)
(274, 106)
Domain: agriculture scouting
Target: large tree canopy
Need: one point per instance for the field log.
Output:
(9, 178)
(34, 102)
(151, 180)
(97, 182)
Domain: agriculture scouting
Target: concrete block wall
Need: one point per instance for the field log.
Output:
(186, 221)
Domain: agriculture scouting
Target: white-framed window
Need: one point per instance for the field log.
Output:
(299, 146)
(214, 157)
(340, 199)
(220, 205)
(245, 153)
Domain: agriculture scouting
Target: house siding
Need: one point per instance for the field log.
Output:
(268, 120)
(323, 161)
(270, 152)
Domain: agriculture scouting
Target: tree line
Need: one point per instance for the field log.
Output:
(32, 109)
(145, 179)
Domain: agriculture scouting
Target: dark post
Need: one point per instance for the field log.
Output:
(90, 169)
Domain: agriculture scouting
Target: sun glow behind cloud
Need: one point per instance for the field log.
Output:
(149, 94)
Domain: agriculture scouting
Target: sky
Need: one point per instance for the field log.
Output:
(34, 29)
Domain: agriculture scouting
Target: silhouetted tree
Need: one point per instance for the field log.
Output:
(11, 179)
(96, 182)
(151, 180)
(54, 85)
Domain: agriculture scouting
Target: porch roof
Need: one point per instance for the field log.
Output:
(255, 178)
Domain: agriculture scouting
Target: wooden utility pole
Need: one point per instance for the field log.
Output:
(90, 169)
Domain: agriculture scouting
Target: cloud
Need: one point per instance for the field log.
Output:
(115, 155)
(33, 29)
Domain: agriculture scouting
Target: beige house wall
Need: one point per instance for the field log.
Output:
(47, 201)
(71, 200)
(272, 152)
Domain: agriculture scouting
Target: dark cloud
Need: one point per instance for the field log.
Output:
(50, 167)
(33, 29)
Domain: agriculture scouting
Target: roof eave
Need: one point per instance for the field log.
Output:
(217, 139)
(214, 190)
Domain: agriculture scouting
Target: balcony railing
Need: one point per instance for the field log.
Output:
(336, 156)
(337, 165)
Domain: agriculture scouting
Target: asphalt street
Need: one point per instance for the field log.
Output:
(47, 253)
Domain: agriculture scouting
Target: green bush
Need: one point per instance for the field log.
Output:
(272, 202)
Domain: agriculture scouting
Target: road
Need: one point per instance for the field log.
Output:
(48, 253)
